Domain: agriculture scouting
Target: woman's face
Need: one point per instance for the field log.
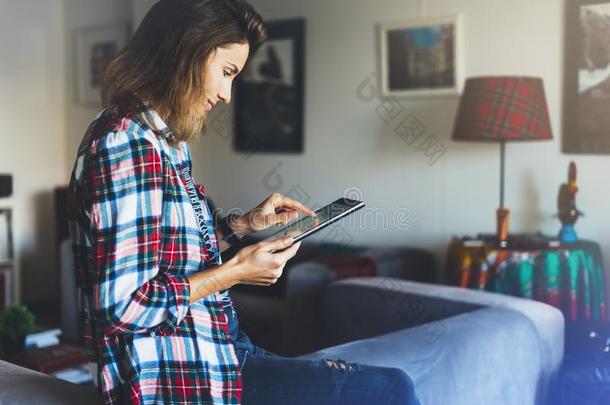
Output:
(222, 67)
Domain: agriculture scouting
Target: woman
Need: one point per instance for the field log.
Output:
(158, 322)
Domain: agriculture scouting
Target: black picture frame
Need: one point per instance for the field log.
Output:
(269, 93)
(586, 104)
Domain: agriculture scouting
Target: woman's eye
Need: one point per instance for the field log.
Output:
(226, 73)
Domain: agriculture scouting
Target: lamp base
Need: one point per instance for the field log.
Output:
(502, 215)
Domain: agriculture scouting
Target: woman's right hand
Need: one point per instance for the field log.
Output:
(256, 265)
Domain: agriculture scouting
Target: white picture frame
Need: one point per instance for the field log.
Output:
(95, 47)
(429, 42)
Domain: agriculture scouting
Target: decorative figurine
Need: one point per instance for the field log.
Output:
(566, 205)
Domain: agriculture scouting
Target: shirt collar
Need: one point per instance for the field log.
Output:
(156, 123)
(152, 119)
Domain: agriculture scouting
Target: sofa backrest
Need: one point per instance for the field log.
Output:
(349, 310)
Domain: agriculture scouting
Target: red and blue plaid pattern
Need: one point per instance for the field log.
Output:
(135, 239)
(502, 108)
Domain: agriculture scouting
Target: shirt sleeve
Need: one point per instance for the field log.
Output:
(131, 293)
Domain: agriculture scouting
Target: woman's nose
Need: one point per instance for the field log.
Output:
(225, 95)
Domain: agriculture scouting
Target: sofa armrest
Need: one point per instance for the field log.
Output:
(461, 360)
(451, 300)
(19, 385)
(365, 307)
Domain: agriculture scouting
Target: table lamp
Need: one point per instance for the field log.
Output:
(502, 109)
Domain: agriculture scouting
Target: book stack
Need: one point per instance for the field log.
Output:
(80, 374)
(65, 361)
(50, 359)
(42, 338)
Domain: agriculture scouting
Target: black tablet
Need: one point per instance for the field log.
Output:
(307, 226)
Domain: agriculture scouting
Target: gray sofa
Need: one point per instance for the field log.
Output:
(459, 346)
(19, 386)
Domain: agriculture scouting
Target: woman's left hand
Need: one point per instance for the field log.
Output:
(276, 209)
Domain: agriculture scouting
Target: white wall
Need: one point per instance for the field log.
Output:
(83, 14)
(32, 140)
(348, 145)
(42, 124)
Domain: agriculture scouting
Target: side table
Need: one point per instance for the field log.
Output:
(65, 361)
(568, 276)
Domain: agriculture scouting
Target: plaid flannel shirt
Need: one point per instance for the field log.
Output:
(136, 237)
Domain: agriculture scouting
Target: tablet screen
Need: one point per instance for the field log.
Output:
(308, 223)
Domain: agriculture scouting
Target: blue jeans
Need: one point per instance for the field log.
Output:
(271, 379)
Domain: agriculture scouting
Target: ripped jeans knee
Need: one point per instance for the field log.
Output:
(340, 364)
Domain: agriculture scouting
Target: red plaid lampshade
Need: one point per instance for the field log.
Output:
(502, 108)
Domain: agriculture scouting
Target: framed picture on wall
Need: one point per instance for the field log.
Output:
(6, 236)
(269, 93)
(95, 48)
(586, 106)
(421, 57)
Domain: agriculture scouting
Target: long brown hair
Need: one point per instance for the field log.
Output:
(164, 62)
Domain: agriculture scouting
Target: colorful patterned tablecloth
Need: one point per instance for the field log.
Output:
(569, 277)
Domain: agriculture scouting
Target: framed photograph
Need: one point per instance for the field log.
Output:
(6, 236)
(95, 48)
(420, 57)
(269, 93)
(586, 122)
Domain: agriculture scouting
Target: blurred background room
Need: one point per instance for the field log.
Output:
(455, 121)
